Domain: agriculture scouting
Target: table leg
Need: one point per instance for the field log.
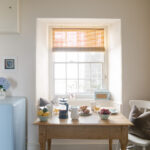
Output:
(124, 138)
(42, 137)
(42, 145)
(49, 144)
(123, 146)
(110, 144)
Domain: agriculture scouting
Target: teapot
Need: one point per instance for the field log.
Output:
(63, 112)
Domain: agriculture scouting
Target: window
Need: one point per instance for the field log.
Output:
(78, 72)
(78, 61)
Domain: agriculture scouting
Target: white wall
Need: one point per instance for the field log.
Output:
(115, 61)
(42, 61)
(135, 18)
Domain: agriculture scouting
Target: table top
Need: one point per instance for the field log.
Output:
(92, 120)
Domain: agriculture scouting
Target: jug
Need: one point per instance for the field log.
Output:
(74, 112)
(63, 112)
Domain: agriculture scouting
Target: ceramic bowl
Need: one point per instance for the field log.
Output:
(43, 118)
(104, 116)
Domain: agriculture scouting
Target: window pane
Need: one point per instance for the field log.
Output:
(91, 56)
(60, 87)
(96, 85)
(96, 71)
(84, 71)
(72, 86)
(60, 71)
(72, 71)
(84, 86)
(72, 57)
(59, 57)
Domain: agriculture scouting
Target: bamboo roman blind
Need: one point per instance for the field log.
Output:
(78, 39)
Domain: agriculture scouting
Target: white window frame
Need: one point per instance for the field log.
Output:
(83, 95)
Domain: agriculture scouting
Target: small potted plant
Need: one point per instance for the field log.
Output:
(104, 114)
(4, 86)
(43, 114)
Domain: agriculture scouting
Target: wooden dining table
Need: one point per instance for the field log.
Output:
(86, 127)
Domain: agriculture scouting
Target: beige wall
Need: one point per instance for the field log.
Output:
(135, 22)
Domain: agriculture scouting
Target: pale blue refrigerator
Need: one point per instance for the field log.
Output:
(13, 123)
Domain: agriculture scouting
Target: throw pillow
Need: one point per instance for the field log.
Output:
(141, 123)
(134, 113)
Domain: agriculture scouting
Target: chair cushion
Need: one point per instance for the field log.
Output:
(43, 102)
(141, 123)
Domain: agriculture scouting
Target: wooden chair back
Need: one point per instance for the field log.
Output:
(141, 104)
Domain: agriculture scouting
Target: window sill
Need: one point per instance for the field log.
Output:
(102, 103)
(89, 100)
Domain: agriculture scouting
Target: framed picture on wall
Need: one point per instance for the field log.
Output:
(9, 16)
(102, 95)
(9, 63)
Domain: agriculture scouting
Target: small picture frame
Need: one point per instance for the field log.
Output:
(102, 95)
(9, 64)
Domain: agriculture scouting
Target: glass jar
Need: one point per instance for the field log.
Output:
(2, 94)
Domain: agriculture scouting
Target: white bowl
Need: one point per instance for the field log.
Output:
(43, 118)
(104, 116)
